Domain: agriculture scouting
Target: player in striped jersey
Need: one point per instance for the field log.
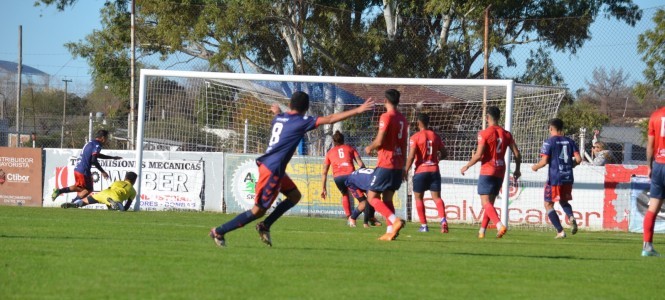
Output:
(562, 155)
(287, 129)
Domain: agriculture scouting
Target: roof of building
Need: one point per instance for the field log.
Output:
(12, 67)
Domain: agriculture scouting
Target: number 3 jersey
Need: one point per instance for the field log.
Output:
(560, 152)
(286, 131)
(392, 150)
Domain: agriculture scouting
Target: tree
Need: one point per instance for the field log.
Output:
(540, 70)
(435, 38)
(608, 86)
(582, 114)
(651, 44)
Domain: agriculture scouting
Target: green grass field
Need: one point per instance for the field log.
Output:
(84, 254)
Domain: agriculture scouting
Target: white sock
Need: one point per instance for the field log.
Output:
(389, 228)
(482, 230)
(392, 218)
(647, 246)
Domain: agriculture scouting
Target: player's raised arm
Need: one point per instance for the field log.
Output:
(336, 117)
(275, 109)
(102, 156)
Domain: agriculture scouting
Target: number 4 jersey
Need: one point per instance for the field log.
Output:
(286, 131)
(560, 152)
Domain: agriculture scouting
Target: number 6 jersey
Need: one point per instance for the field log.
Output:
(286, 131)
(560, 151)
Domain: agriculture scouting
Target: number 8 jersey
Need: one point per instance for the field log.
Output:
(560, 151)
(286, 131)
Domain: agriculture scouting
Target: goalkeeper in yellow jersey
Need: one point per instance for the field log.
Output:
(113, 196)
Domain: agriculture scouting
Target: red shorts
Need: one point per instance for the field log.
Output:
(83, 181)
(554, 193)
(269, 186)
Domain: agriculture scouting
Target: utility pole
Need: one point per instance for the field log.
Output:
(64, 109)
(18, 85)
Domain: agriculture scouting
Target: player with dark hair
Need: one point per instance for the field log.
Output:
(113, 196)
(425, 149)
(656, 165)
(287, 129)
(341, 157)
(89, 157)
(493, 142)
(390, 142)
(562, 155)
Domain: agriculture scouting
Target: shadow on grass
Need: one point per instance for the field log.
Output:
(539, 256)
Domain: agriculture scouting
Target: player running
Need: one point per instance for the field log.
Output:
(390, 142)
(425, 148)
(89, 157)
(562, 155)
(113, 196)
(341, 157)
(287, 130)
(656, 165)
(492, 144)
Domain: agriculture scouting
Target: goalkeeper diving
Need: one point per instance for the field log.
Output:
(113, 196)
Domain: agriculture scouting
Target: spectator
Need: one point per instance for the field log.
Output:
(601, 155)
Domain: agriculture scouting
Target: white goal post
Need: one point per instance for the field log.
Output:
(211, 80)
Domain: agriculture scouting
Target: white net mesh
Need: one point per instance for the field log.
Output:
(234, 115)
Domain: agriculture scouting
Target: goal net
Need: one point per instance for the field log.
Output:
(228, 112)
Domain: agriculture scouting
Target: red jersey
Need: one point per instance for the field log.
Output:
(392, 149)
(341, 158)
(496, 141)
(427, 145)
(656, 123)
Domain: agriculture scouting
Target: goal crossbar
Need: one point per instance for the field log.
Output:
(145, 73)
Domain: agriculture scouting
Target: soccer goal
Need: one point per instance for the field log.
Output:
(230, 112)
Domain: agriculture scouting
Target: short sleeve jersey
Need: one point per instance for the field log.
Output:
(118, 191)
(286, 131)
(341, 158)
(361, 178)
(496, 141)
(656, 123)
(88, 154)
(392, 149)
(560, 152)
(427, 145)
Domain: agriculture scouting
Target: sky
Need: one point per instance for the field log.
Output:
(46, 30)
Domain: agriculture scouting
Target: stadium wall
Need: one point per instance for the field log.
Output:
(611, 197)
(171, 180)
(602, 197)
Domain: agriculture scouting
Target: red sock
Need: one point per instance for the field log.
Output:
(420, 208)
(382, 208)
(649, 223)
(390, 205)
(346, 205)
(490, 212)
(486, 221)
(440, 207)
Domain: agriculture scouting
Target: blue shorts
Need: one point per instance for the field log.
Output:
(489, 185)
(386, 180)
(427, 181)
(340, 182)
(657, 189)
